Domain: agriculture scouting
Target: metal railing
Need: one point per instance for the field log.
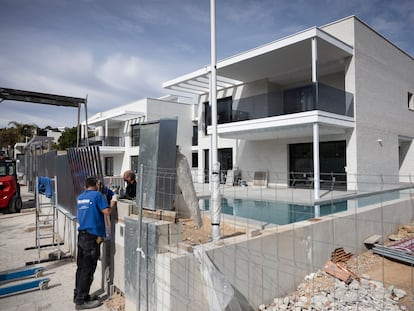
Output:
(109, 141)
(316, 96)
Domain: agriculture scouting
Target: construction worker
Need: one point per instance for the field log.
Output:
(92, 206)
(131, 188)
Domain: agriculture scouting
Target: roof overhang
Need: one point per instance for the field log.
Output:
(286, 126)
(281, 61)
(114, 117)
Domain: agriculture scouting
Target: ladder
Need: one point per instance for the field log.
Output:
(47, 224)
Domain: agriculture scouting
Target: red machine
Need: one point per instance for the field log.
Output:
(10, 200)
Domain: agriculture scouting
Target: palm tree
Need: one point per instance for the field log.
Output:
(23, 130)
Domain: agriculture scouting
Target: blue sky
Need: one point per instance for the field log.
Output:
(118, 51)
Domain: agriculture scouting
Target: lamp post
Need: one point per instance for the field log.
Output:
(215, 200)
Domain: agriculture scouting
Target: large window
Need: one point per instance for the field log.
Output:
(135, 133)
(225, 158)
(224, 112)
(194, 159)
(332, 162)
(195, 135)
(109, 166)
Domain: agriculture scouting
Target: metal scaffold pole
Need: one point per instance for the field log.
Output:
(139, 250)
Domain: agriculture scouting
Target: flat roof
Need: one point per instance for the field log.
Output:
(273, 60)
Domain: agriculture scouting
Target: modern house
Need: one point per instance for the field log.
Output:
(117, 130)
(330, 106)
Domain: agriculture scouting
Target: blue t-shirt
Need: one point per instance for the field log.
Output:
(90, 217)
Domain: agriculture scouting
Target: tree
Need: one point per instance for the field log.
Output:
(16, 133)
(68, 139)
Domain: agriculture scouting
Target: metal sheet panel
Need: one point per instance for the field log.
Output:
(65, 193)
(46, 164)
(157, 153)
(83, 163)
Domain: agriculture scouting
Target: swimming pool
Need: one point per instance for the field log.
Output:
(281, 213)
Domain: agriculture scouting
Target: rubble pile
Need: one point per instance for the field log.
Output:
(321, 291)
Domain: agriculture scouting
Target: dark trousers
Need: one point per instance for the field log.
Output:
(88, 254)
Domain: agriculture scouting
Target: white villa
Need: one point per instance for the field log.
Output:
(328, 107)
(117, 130)
(342, 87)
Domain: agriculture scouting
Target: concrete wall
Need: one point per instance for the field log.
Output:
(274, 263)
(377, 103)
(383, 75)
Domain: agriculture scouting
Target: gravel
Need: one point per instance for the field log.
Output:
(319, 291)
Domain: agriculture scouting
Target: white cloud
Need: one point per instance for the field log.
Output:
(124, 72)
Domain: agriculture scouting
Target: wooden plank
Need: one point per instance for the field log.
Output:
(339, 255)
(160, 215)
(332, 269)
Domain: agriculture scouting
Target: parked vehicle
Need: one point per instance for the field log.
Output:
(10, 199)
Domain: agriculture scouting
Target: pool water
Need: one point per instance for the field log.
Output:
(281, 213)
(273, 212)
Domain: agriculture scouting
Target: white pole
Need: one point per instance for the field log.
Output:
(215, 206)
(316, 169)
(316, 177)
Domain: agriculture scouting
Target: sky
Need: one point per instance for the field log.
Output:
(115, 52)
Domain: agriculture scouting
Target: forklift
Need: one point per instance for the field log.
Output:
(10, 199)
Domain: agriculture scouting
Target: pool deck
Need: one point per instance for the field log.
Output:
(285, 194)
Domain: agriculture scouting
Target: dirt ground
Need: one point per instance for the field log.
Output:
(194, 235)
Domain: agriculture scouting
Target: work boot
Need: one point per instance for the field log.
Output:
(88, 305)
(89, 298)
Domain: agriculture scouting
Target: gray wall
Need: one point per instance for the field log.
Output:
(274, 263)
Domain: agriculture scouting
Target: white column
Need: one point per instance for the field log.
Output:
(316, 173)
(316, 169)
(106, 132)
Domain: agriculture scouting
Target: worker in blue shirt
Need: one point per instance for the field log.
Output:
(92, 206)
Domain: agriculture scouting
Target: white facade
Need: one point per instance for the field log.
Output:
(114, 136)
(339, 86)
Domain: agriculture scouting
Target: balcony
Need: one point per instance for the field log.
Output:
(107, 141)
(315, 96)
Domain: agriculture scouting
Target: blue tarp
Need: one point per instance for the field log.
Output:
(44, 186)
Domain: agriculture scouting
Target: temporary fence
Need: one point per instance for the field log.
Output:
(275, 235)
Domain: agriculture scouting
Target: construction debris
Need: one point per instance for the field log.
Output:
(402, 251)
(319, 291)
(372, 240)
(339, 255)
(336, 271)
(336, 268)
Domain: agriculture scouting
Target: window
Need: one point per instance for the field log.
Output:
(195, 135)
(135, 133)
(194, 159)
(410, 101)
(134, 164)
(332, 161)
(224, 112)
(109, 166)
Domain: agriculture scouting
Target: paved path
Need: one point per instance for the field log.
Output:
(17, 232)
